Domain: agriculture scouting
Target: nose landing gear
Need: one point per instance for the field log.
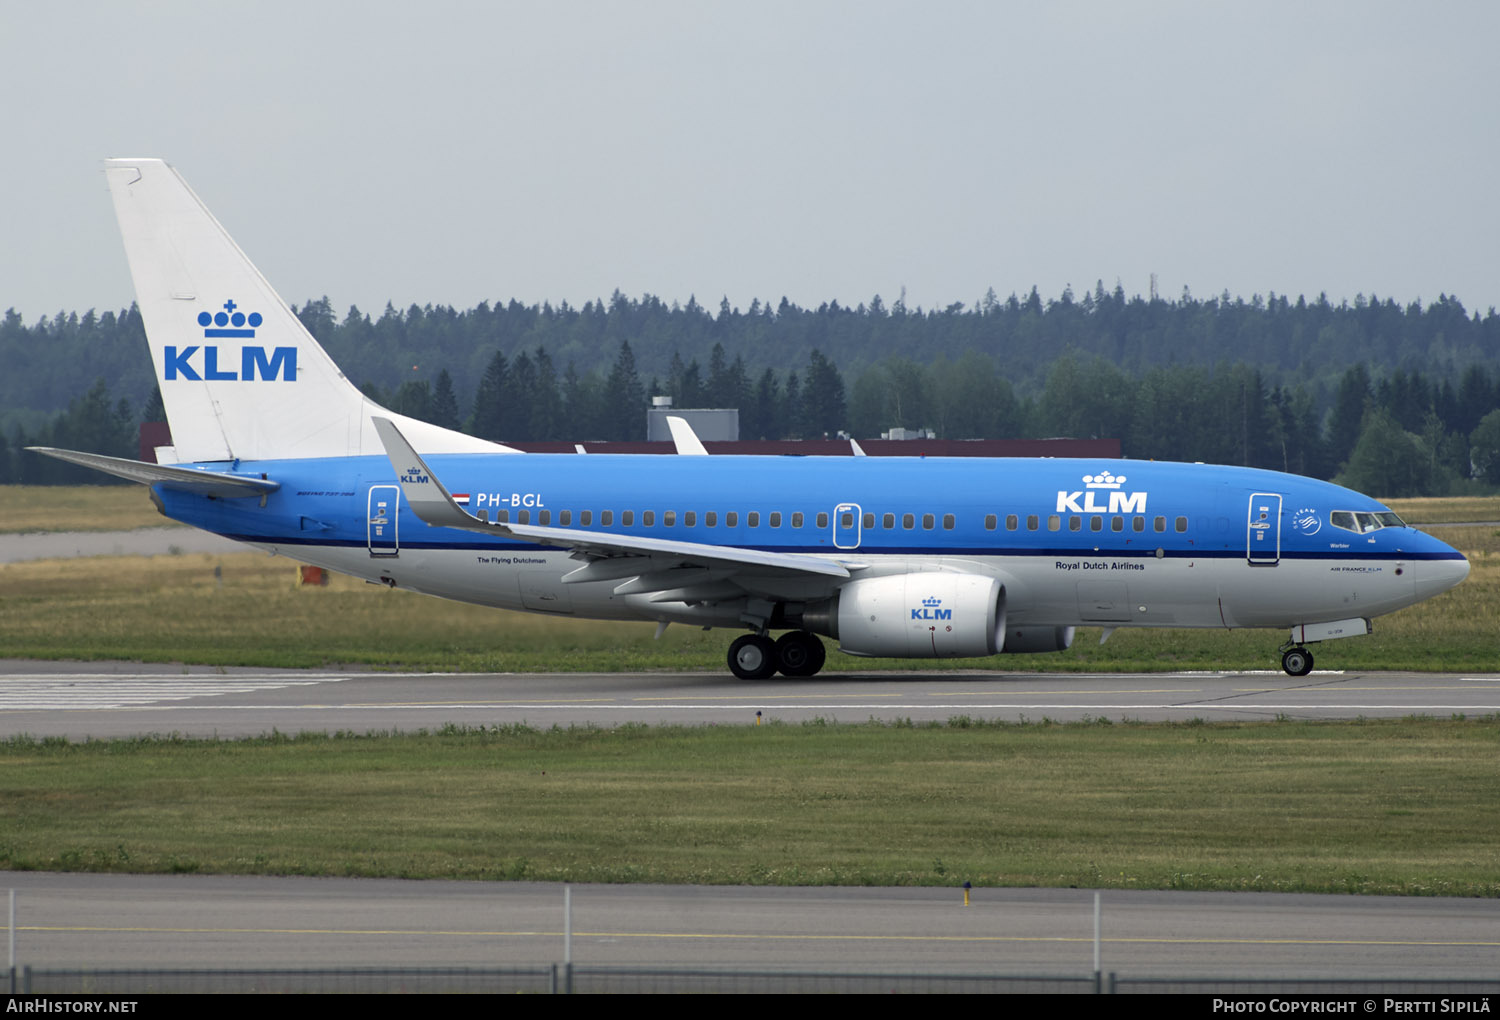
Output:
(1297, 661)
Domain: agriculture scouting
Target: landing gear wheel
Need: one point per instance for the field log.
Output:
(752, 657)
(1297, 662)
(799, 653)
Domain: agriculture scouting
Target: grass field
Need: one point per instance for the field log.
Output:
(1384, 806)
(1390, 806)
(77, 508)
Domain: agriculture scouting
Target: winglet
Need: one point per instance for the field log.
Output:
(685, 439)
(859, 451)
(426, 496)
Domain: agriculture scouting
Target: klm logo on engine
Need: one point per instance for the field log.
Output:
(216, 363)
(930, 611)
(1103, 485)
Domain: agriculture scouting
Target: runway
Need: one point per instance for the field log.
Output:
(222, 921)
(196, 921)
(103, 700)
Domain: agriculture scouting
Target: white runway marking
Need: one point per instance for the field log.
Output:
(63, 691)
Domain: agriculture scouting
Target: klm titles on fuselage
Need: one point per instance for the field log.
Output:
(1093, 486)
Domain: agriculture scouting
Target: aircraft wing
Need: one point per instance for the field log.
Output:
(201, 482)
(609, 556)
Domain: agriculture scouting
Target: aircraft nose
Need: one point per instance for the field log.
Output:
(1436, 576)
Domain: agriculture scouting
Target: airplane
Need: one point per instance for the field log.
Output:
(889, 556)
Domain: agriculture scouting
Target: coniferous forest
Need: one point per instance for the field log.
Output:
(1395, 399)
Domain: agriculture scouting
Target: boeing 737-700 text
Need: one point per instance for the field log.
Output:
(908, 557)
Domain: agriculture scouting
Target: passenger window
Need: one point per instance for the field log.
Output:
(1160, 524)
(989, 522)
(1012, 522)
(544, 517)
(565, 517)
(606, 518)
(1096, 523)
(502, 517)
(947, 522)
(1075, 523)
(888, 521)
(775, 518)
(710, 519)
(846, 520)
(627, 518)
(927, 522)
(1117, 524)
(731, 519)
(869, 521)
(585, 517)
(797, 519)
(1054, 522)
(1138, 523)
(689, 518)
(1182, 524)
(752, 519)
(823, 520)
(669, 518)
(523, 517)
(908, 521)
(648, 517)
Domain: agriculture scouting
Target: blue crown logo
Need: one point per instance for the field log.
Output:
(229, 317)
(932, 603)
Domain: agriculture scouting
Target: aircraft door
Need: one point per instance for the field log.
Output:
(846, 526)
(1263, 531)
(385, 501)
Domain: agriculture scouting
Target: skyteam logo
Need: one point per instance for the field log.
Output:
(1103, 485)
(1306, 521)
(216, 363)
(930, 611)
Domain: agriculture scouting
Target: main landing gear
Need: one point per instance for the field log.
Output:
(757, 657)
(1297, 661)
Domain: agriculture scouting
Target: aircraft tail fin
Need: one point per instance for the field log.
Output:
(240, 376)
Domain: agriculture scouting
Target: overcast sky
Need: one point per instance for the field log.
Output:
(457, 152)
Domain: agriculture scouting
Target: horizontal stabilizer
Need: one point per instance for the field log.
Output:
(183, 479)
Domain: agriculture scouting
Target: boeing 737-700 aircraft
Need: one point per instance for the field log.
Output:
(909, 557)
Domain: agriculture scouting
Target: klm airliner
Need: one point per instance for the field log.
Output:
(909, 557)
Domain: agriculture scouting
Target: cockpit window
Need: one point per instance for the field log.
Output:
(1362, 523)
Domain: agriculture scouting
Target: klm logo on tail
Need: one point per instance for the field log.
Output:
(254, 363)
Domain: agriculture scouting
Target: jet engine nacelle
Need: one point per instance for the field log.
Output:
(1038, 639)
(934, 615)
